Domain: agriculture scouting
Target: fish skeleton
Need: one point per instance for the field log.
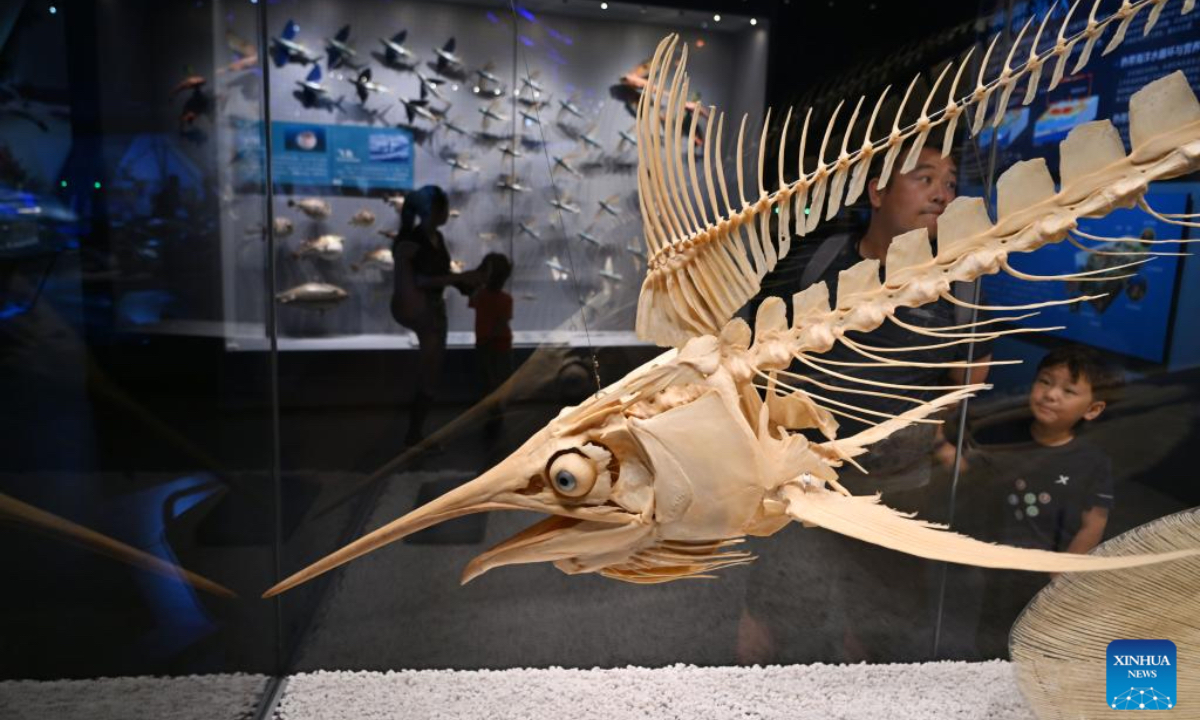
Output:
(660, 475)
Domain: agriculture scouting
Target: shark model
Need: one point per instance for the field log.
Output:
(509, 183)
(339, 51)
(285, 48)
(447, 62)
(395, 55)
(364, 86)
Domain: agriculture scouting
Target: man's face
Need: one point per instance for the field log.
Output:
(1058, 402)
(915, 199)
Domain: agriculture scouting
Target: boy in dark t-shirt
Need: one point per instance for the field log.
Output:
(493, 335)
(1036, 484)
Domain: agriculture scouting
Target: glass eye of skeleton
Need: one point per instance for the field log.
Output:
(572, 474)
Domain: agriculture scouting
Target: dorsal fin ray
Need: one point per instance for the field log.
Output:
(741, 233)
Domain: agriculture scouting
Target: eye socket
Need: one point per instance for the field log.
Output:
(572, 475)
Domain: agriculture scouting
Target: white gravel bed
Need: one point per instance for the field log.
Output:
(944, 690)
(194, 697)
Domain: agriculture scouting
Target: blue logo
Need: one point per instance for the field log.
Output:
(1141, 675)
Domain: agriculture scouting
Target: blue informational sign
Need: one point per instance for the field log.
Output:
(1134, 315)
(328, 156)
(342, 156)
(1100, 91)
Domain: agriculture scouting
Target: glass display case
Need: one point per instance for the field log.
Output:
(232, 347)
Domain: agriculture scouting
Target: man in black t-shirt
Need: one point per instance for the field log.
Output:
(909, 201)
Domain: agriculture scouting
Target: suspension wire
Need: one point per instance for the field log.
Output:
(558, 201)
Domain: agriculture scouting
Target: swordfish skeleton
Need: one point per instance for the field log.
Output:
(659, 476)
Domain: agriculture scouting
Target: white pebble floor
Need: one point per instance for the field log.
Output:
(944, 690)
(195, 697)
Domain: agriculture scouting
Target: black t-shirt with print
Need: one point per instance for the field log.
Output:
(890, 335)
(1021, 493)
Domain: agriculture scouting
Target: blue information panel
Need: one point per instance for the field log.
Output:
(330, 156)
(1134, 316)
(1100, 91)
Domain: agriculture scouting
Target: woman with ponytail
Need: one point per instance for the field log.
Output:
(421, 277)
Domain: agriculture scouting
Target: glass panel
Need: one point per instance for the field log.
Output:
(134, 445)
(558, 84)
(1086, 438)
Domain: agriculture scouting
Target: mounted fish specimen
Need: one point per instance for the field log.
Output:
(454, 127)
(418, 108)
(313, 296)
(610, 205)
(395, 55)
(570, 108)
(627, 139)
(285, 48)
(608, 273)
(363, 85)
(379, 258)
(563, 203)
(589, 140)
(191, 81)
(564, 162)
(530, 82)
(489, 84)
(283, 227)
(491, 113)
(659, 476)
(339, 51)
(430, 84)
(325, 247)
(530, 118)
(587, 236)
(448, 63)
(395, 202)
(510, 151)
(245, 54)
(558, 273)
(509, 183)
(458, 163)
(197, 104)
(314, 208)
(312, 93)
(363, 218)
(525, 227)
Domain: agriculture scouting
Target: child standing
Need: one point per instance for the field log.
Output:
(493, 336)
(1036, 484)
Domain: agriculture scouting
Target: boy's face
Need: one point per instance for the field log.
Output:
(1058, 402)
(916, 198)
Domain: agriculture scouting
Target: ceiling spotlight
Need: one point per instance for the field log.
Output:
(603, 6)
(753, 21)
(716, 18)
(53, 10)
